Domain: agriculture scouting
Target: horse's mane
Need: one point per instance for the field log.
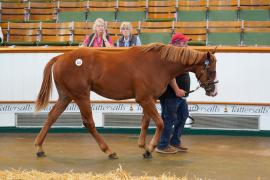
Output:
(171, 53)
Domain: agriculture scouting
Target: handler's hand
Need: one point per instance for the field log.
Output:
(104, 36)
(180, 92)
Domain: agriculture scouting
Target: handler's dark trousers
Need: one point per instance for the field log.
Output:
(174, 112)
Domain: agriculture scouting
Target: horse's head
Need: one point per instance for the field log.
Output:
(206, 74)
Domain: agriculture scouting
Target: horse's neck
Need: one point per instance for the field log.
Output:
(175, 69)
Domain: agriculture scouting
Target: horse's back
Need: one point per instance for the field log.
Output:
(115, 75)
(107, 73)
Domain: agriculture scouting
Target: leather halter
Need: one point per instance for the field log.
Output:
(208, 83)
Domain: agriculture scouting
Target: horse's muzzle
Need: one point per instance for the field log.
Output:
(211, 88)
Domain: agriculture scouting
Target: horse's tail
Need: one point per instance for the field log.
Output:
(46, 86)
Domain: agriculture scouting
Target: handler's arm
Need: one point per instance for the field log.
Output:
(178, 92)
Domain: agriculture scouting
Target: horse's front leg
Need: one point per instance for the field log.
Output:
(88, 122)
(149, 108)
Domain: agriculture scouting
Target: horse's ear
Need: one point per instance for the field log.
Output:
(207, 60)
(208, 55)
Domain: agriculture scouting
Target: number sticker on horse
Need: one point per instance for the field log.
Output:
(78, 62)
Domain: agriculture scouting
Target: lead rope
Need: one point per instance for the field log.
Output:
(191, 118)
(198, 87)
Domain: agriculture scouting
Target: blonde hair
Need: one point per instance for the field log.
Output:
(99, 21)
(126, 25)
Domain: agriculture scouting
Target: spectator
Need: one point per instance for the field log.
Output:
(100, 37)
(127, 39)
(174, 108)
(1, 36)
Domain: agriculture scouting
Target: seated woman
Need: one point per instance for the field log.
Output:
(127, 39)
(99, 38)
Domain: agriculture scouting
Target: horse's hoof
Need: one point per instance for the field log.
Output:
(41, 154)
(147, 155)
(113, 156)
(142, 146)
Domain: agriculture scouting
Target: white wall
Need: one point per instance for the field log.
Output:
(21, 75)
(243, 77)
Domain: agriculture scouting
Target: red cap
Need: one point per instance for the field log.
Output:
(179, 37)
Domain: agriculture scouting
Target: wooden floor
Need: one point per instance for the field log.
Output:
(213, 157)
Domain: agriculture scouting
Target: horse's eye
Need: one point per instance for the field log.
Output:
(212, 73)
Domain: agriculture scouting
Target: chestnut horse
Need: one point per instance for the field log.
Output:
(142, 73)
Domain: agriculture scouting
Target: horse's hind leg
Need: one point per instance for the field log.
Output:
(145, 123)
(88, 122)
(56, 111)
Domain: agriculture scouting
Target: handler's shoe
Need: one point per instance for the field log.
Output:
(167, 150)
(180, 148)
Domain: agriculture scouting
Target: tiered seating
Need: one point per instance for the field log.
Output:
(161, 11)
(210, 22)
(56, 34)
(256, 33)
(254, 10)
(72, 11)
(135, 10)
(224, 33)
(155, 32)
(131, 11)
(80, 31)
(11, 1)
(16, 12)
(101, 9)
(222, 10)
(202, 33)
(191, 10)
(114, 30)
(42, 11)
(195, 30)
(22, 33)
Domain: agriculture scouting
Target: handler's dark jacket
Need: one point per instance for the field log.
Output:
(182, 81)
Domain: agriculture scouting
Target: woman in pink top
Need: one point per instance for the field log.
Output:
(100, 38)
